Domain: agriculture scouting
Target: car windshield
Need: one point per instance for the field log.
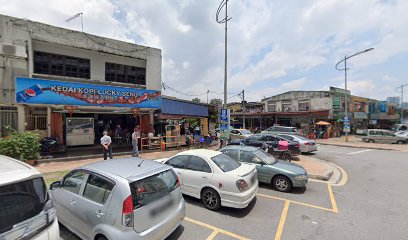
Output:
(266, 157)
(245, 131)
(225, 163)
(302, 138)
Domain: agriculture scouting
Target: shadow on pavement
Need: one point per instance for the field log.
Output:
(232, 212)
(176, 234)
(265, 186)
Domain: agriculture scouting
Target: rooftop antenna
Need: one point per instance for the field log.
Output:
(75, 16)
(140, 164)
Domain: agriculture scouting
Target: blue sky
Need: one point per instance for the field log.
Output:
(274, 46)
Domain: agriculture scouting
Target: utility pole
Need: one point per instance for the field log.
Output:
(243, 109)
(402, 100)
(208, 91)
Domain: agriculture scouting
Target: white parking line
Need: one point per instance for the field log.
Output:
(362, 151)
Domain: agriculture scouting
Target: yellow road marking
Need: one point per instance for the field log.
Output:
(215, 229)
(332, 199)
(282, 221)
(300, 203)
(213, 234)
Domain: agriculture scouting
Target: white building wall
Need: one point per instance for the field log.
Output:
(36, 36)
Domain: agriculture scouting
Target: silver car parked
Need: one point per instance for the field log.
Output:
(306, 145)
(126, 198)
(382, 136)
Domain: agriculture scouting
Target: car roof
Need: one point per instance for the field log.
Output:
(126, 167)
(13, 170)
(201, 153)
(239, 147)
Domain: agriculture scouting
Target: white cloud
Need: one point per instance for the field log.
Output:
(269, 42)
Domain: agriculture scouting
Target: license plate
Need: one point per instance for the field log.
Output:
(253, 179)
(162, 208)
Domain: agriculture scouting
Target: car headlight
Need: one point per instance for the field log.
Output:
(301, 177)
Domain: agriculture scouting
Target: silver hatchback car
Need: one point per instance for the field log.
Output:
(126, 198)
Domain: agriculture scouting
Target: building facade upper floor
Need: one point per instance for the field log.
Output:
(37, 50)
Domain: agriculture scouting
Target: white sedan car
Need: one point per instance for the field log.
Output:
(215, 178)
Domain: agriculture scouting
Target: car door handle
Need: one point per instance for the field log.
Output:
(73, 202)
(204, 177)
(99, 214)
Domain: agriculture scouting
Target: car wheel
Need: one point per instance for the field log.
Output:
(102, 238)
(400, 142)
(211, 199)
(282, 183)
(371, 141)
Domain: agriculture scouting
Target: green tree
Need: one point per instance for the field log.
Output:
(216, 102)
(196, 100)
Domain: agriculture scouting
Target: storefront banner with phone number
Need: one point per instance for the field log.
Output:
(41, 91)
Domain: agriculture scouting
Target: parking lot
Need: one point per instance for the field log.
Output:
(267, 217)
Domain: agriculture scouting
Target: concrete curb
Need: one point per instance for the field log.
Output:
(364, 147)
(324, 176)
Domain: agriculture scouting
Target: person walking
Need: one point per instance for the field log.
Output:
(106, 142)
(135, 140)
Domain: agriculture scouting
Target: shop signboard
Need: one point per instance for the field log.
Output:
(41, 91)
(360, 115)
(224, 123)
(336, 102)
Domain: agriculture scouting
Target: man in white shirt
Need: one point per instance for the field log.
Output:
(106, 142)
(135, 140)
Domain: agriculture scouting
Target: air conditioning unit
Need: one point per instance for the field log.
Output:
(13, 51)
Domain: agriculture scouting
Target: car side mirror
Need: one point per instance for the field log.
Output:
(55, 185)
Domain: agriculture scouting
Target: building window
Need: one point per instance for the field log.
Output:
(61, 65)
(125, 74)
(304, 105)
(286, 107)
(271, 107)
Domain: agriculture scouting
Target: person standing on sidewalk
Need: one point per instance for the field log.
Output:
(106, 142)
(135, 140)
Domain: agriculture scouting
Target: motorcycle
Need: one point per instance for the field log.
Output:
(52, 145)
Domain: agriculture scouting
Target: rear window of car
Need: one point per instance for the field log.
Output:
(21, 201)
(152, 188)
(225, 163)
(255, 137)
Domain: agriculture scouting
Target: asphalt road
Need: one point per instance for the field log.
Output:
(371, 205)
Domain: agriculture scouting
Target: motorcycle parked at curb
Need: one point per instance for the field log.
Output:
(52, 145)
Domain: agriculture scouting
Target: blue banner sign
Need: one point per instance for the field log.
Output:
(224, 123)
(41, 91)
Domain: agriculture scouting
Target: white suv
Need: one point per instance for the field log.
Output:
(26, 211)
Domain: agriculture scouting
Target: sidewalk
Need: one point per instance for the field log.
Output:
(316, 169)
(68, 165)
(356, 142)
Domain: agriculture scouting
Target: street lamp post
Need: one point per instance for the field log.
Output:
(224, 3)
(345, 82)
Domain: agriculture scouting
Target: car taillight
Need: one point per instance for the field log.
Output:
(178, 182)
(297, 145)
(307, 143)
(127, 212)
(242, 185)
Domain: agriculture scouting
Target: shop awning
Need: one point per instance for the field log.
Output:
(184, 108)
